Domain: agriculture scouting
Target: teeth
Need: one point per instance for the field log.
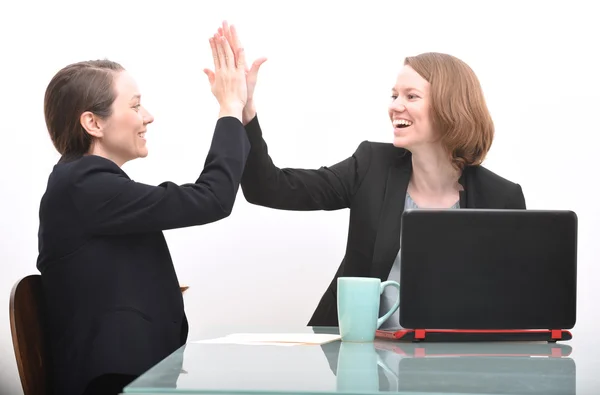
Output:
(402, 122)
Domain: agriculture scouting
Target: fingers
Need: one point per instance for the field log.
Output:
(256, 65)
(233, 54)
(211, 76)
(227, 53)
(215, 54)
(241, 59)
(221, 51)
(225, 31)
(237, 47)
(228, 34)
(234, 37)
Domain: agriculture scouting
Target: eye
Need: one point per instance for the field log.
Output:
(411, 96)
(394, 97)
(137, 107)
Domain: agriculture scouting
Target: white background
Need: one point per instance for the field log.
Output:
(324, 89)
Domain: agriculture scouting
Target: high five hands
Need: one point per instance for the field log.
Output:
(228, 38)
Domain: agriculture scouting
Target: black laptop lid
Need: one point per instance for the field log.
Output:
(488, 269)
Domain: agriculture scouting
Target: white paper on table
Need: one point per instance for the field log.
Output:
(275, 339)
(227, 340)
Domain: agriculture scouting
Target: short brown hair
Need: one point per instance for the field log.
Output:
(458, 108)
(75, 89)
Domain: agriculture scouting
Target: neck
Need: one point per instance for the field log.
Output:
(98, 150)
(433, 172)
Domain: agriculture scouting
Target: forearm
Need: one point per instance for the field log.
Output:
(265, 184)
(109, 202)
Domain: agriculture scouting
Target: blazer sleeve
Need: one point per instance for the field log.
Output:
(517, 199)
(109, 202)
(326, 188)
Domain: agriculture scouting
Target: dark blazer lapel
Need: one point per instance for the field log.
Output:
(469, 196)
(463, 203)
(387, 241)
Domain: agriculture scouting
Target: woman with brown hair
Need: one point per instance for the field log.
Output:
(113, 304)
(442, 131)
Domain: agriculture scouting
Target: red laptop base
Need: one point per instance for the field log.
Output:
(469, 335)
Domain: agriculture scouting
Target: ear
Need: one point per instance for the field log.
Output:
(92, 124)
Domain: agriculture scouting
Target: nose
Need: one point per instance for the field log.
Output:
(397, 105)
(148, 118)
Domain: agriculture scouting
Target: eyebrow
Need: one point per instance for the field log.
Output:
(408, 89)
(136, 96)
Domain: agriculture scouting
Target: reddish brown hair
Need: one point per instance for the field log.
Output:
(458, 108)
(75, 89)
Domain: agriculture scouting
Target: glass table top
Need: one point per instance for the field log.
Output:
(383, 366)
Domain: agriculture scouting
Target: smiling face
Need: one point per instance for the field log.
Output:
(409, 110)
(121, 136)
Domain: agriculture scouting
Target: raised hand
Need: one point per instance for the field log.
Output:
(230, 33)
(228, 81)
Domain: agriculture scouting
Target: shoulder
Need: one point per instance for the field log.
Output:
(387, 149)
(67, 168)
(494, 190)
(92, 166)
(488, 179)
(88, 170)
(381, 152)
(92, 163)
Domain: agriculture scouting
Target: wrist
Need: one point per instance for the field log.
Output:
(249, 112)
(232, 109)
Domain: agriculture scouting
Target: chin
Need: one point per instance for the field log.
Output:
(400, 142)
(142, 154)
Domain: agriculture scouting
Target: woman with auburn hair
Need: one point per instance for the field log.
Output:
(442, 131)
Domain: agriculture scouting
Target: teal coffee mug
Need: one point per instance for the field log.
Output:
(358, 307)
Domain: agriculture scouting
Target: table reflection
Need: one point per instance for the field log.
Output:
(382, 366)
(498, 368)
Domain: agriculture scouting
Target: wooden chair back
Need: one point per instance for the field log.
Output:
(29, 335)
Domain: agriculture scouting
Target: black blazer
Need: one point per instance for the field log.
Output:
(113, 299)
(372, 183)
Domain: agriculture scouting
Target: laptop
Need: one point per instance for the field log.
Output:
(487, 275)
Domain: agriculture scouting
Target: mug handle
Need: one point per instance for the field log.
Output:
(387, 315)
(389, 371)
